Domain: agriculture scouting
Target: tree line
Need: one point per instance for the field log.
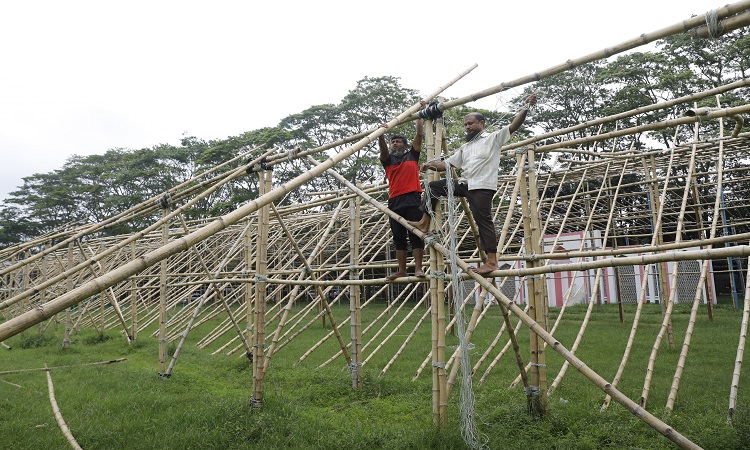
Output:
(89, 189)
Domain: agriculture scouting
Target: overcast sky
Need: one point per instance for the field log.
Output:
(82, 77)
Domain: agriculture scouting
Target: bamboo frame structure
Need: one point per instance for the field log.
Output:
(555, 221)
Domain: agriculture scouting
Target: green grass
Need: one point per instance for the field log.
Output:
(204, 405)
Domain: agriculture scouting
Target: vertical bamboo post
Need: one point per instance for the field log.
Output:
(163, 297)
(249, 291)
(437, 310)
(261, 256)
(618, 282)
(702, 235)
(537, 392)
(440, 297)
(355, 320)
(133, 300)
(661, 267)
(69, 287)
(43, 291)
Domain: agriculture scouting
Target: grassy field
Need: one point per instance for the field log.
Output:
(204, 405)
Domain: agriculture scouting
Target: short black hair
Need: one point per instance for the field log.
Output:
(403, 139)
(478, 116)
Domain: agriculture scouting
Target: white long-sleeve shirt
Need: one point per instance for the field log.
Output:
(480, 158)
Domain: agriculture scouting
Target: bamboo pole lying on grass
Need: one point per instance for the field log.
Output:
(58, 415)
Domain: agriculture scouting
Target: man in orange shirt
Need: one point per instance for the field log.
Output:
(401, 164)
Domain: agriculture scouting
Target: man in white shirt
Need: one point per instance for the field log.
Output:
(478, 160)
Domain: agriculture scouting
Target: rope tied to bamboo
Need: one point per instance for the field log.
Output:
(260, 278)
(165, 201)
(354, 367)
(438, 274)
(292, 154)
(439, 365)
(532, 391)
(713, 25)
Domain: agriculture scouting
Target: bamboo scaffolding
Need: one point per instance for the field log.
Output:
(28, 300)
(30, 318)
(667, 320)
(699, 289)
(321, 295)
(595, 378)
(397, 303)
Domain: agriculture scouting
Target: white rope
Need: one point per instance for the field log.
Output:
(473, 438)
(712, 24)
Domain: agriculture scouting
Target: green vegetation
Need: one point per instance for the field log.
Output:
(205, 402)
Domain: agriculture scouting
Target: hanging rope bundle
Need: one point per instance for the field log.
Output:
(471, 434)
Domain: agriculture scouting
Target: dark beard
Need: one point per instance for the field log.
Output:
(398, 153)
(470, 136)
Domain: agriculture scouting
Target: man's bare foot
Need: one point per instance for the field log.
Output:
(484, 269)
(418, 273)
(393, 276)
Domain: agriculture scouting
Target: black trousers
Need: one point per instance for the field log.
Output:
(480, 203)
(400, 232)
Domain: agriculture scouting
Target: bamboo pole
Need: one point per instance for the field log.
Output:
(537, 390)
(259, 310)
(701, 282)
(408, 291)
(643, 39)
(68, 319)
(596, 286)
(133, 301)
(58, 415)
(735, 385)
(163, 297)
(408, 339)
(355, 319)
(203, 298)
(650, 171)
(512, 341)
